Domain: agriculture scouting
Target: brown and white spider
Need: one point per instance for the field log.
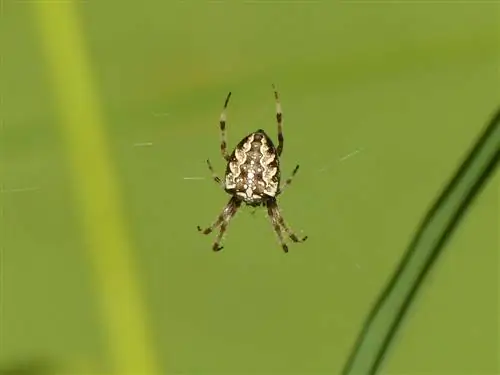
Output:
(253, 177)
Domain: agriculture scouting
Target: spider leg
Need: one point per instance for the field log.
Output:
(234, 207)
(220, 218)
(223, 143)
(277, 227)
(289, 180)
(223, 220)
(279, 120)
(215, 224)
(214, 175)
(273, 207)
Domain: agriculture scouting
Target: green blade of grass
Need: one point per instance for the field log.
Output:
(96, 187)
(430, 240)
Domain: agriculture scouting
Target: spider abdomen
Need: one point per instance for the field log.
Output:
(253, 172)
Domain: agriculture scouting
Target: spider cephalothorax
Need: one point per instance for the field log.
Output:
(253, 177)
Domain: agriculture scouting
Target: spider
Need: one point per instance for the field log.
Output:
(252, 177)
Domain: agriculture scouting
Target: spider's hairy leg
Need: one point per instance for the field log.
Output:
(214, 175)
(279, 120)
(276, 226)
(273, 205)
(223, 220)
(288, 180)
(227, 218)
(220, 218)
(223, 118)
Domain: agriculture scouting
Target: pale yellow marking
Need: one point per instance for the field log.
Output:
(248, 144)
(241, 157)
(267, 157)
(96, 186)
(233, 167)
(270, 172)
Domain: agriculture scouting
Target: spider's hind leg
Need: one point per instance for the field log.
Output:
(223, 220)
(276, 227)
(275, 214)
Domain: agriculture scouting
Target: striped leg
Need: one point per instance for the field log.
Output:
(214, 175)
(277, 227)
(289, 180)
(223, 220)
(277, 215)
(279, 120)
(223, 144)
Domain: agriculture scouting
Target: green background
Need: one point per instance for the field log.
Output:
(409, 85)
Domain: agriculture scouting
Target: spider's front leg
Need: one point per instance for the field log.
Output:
(223, 220)
(222, 122)
(279, 120)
